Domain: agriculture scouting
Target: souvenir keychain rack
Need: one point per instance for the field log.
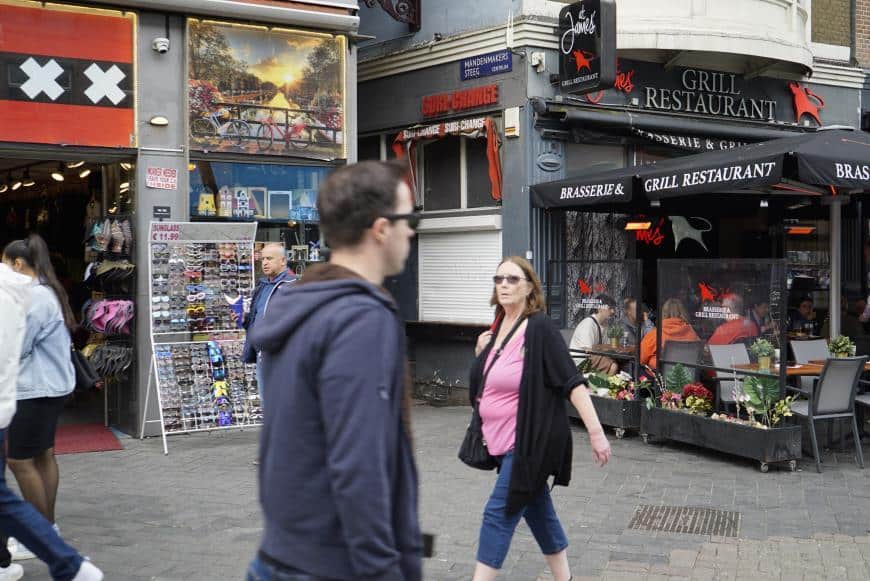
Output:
(200, 276)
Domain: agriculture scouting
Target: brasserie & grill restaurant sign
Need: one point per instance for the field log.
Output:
(587, 46)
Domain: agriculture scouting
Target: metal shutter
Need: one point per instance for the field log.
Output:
(456, 276)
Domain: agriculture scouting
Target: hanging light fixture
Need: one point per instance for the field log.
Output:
(85, 173)
(15, 183)
(57, 175)
(3, 188)
(27, 181)
(74, 164)
(126, 165)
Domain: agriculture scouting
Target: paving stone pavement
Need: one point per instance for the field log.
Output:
(193, 515)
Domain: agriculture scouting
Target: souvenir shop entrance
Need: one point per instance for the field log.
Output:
(83, 208)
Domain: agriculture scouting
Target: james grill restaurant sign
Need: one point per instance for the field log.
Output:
(711, 93)
(587, 46)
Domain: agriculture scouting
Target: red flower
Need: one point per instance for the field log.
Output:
(697, 390)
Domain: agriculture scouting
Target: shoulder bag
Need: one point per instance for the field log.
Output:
(473, 450)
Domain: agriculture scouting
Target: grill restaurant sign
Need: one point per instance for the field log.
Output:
(587, 46)
(712, 94)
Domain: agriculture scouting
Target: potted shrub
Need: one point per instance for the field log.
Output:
(841, 346)
(617, 400)
(684, 417)
(614, 333)
(763, 350)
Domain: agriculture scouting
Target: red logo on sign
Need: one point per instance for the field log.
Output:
(653, 236)
(585, 289)
(460, 100)
(581, 59)
(623, 83)
(803, 105)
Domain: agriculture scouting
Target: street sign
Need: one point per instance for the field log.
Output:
(485, 65)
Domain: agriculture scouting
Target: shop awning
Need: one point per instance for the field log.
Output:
(829, 158)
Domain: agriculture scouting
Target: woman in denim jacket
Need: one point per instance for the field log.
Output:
(45, 378)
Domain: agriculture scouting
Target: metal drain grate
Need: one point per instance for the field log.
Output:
(687, 520)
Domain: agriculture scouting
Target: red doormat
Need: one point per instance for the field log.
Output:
(78, 438)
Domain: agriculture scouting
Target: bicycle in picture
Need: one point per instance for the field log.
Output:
(294, 134)
(214, 125)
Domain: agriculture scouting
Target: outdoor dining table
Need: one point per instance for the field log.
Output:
(813, 368)
(628, 352)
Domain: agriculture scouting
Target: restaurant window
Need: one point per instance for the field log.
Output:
(583, 158)
(254, 191)
(455, 174)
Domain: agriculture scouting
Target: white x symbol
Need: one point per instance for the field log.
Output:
(104, 84)
(41, 79)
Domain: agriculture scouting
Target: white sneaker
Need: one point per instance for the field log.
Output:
(88, 572)
(18, 551)
(11, 573)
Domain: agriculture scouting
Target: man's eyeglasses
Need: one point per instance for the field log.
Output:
(511, 279)
(413, 219)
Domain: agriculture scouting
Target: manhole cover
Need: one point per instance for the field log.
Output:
(687, 520)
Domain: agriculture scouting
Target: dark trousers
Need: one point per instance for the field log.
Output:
(20, 520)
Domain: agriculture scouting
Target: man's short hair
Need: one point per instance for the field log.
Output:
(354, 196)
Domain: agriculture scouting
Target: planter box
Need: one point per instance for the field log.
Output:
(766, 446)
(621, 415)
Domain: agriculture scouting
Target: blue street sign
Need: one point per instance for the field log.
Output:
(484, 65)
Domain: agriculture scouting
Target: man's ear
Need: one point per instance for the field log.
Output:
(379, 229)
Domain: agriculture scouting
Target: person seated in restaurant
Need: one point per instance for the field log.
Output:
(630, 313)
(675, 327)
(850, 318)
(738, 329)
(591, 331)
(760, 315)
(803, 318)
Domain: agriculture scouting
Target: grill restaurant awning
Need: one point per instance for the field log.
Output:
(825, 158)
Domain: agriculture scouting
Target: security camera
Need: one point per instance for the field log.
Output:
(160, 44)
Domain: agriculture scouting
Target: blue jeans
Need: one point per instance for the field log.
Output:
(259, 570)
(498, 526)
(20, 520)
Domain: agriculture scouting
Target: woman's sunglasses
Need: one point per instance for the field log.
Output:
(511, 279)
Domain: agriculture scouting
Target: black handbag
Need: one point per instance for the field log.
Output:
(473, 451)
(86, 376)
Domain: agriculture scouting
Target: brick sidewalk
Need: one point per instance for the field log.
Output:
(193, 515)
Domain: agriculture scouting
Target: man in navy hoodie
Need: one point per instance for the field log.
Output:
(338, 485)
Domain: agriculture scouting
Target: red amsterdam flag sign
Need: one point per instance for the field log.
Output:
(66, 75)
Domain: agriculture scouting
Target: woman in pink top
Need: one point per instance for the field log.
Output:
(520, 379)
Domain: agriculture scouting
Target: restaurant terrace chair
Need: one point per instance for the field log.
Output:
(685, 352)
(833, 398)
(724, 356)
(806, 351)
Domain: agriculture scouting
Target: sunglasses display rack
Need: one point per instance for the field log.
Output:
(201, 278)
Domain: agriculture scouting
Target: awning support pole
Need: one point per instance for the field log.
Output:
(836, 261)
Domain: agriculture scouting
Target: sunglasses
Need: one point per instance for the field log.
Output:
(413, 219)
(511, 279)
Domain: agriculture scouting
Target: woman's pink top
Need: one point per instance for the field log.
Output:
(501, 396)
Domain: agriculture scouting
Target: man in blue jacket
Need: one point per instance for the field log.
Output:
(338, 485)
(273, 263)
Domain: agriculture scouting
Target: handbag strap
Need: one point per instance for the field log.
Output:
(499, 351)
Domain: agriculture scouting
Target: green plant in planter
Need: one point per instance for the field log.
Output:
(614, 333)
(677, 378)
(841, 346)
(761, 348)
(763, 400)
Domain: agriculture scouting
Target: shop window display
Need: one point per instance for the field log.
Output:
(254, 191)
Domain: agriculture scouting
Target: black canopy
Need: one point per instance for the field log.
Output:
(824, 158)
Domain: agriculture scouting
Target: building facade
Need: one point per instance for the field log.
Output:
(692, 77)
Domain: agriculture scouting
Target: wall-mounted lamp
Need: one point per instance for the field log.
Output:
(85, 173)
(28, 181)
(126, 165)
(3, 188)
(638, 225)
(763, 203)
(15, 183)
(655, 203)
(159, 121)
(74, 164)
(799, 230)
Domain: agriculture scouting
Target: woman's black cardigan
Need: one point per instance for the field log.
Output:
(543, 441)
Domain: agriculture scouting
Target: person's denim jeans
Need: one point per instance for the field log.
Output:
(498, 526)
(20, 520)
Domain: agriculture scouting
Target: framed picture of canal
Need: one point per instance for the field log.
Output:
(267, 91)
